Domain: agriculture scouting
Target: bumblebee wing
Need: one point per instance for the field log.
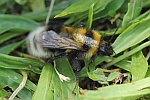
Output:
(51, 39)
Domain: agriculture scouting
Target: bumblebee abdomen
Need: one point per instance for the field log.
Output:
(89, 40)
(83, 39)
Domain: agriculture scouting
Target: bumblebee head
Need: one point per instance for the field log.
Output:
(105, 48)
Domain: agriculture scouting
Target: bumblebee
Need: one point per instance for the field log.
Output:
(77, 43)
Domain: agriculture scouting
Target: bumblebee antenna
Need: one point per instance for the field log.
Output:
(114, 32)
(49, 11)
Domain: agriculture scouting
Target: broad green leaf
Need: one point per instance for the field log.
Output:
(64, 90)
(97, 75)
(129, 91)
(52, 86)
(139, 66)
(11, 62)
(90, 17)
(10, 47)
(112, 76)
(9, 22)
(134, 9)
(45, 87)
(12, 79)
(133, 35)
(77, 7)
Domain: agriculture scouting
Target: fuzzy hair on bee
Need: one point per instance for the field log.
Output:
(78, 43)
(35, 48)
(41, 41)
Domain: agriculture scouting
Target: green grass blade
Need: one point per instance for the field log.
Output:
(129, 91)
(110, 9)
(8, 22)
(52, 86)
(124, 64)
(64, 90)
(133, 35)
(134, 9)
(77, 7)
(45, 87)
(10, 47)
(12, 79)
(12, 62)
(8, 36)
(90, 17)
(139, 66)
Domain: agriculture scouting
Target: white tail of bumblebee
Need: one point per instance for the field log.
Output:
(34, 48)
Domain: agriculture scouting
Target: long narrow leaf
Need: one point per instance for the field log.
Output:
(130, 91)
(8, 22)
(133, 35)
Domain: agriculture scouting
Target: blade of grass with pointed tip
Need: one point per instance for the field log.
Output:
(90, 17)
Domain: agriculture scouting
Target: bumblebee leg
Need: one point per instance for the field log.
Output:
(76, 65)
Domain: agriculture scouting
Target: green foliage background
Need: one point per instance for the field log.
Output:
(19, 17)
